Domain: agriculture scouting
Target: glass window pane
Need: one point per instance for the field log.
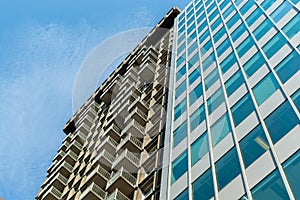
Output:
(271, 187)
(181, 73)
(216, 24)
(224, 46)
(296, 99)
(213, 15)
(208, 61)
(199, 148)
(274, 44)
(227, 168)
(196, 93)
(288, 67)
(254, 145)
(283, 9)
(220, 129)
(254, 63)
(197, 117)
(262, 29)
(228, 62)
(267, 4)
(204, 36)
(254, 16)
(181, 38)
(247, 6)
(281, 121)
(203, 188)
(219, 34)
(193, 61)
(238, 32)
(234, 83)
(179, 167)
(193, 76)
(233, 20)
(265, 88)
(180, 60)
(183, 196)
(228, 11)
(181, 48)
(292, 28)
(192, 48)
(211, 78)
(180, 109)
(291, 168)
(180, 89)
(242, 109)
(245, 46)
(215, 101)
(179, 134)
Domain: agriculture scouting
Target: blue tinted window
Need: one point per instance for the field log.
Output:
(288, 67)
(262, 29)
(254, 63)
(208, 61)
(254, 145)
(223, 47)
(190, 21)
(242, 109)
(181, 38)
(245, 46)
(238, 32)
(227, 168)
(181, 73)
(202, 27)
(196, 93)
(228, 11)
(193, 61)
(180, 89)
(197, 117)
(296, 99)
(199, 148)
(204, 36)
(179, 167)
(279, 13)
(216, 24)
(213, 15)
(292, 28)
(203, 187)
(211, 78)
(220, 129)
(281, 121)
(219, 34)
(228, 62)
(234, 83)
(233, 20)
(181, 30)
(179, 109)
(194, 75)
(291, 168)
(265, 88)
(183, 196)
(224, 4)
(211, 7)
(191, 28)
(192, 48)
(247, 6)
(206, 47)
(215, 100)
(192, 36)
(181, 24)
(274, 44)
(271, 186)
(190, 13)
(180, 60)
(181, 48)
(179, 134)
(267, 4)
(254, 16)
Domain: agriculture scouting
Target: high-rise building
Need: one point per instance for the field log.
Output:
(206, 107)
(233, 124)
(114, 142)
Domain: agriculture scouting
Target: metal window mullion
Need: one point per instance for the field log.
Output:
(243, 171)
(275, 157)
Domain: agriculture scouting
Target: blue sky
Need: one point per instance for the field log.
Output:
(43, 44)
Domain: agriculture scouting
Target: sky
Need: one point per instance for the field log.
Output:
(43, 44)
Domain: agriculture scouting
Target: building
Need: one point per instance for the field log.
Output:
(206, 107)
(114, 142)
(233, 124)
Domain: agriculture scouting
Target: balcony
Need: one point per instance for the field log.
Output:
(52, 194)
(131, 143)
(105, 159)
(127, 160)
(60, 182)
(83, 128)
(64, 145)
(117, 195)
(138, 102)
(138, 115)
(71, 157)
(122, 180)
(93, 192)
(88, 120)
(75, 146)
(136, 129)
(59, 155)
(113, 131)
(147, 71)
(65, 169)
(151, 162)
(99, 175)
(108, 144)
(79, 137)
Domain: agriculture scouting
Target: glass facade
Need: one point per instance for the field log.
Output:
(239, 103)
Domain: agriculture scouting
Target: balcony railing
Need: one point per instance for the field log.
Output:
(93, 192)
(99, 170)
(52, 193)
(127, 160)
(134, 144)
(123, 174)
(117, 195)
(135, 128)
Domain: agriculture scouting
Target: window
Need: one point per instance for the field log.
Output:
(191, 28)
(211, 7)
(283, 9)
(246, 7)
(242, 109)
(238, 32)
(193, 76)
(220, 129)
(181, 30)
(192, 48)
(229, 10)
(254, 145)
(203, 187)
(208, 61)
(296, 99)
(181, 48)
(254, 16)
(262, 29)
(213, 15)
(227, 168)
(181, 38)
(202, 26)
(267, 4)
(192, 36)
(274, 44)
(245, 46)
(288, 67)
(181, 23)
(254, 63)
(180, 109)
(265, 88)
(223, 47)
(179, 134)
(190, 21)
(193, 61)
(291, 168)
(206, 47)
(183, 196)
(271, 186)
(228, 62)
(211, 78)
(215, 101)
(292, 28)
(219, 34)
(199, 148)
(180, 89)
(216, 24)
(180, 60)
(224, 4)
(234, 83)
(199, 20)
(197, 117)
(204, 36)
(233, 20)
(179, 167)
(196, 93)
(181, 73)
(281, 121)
